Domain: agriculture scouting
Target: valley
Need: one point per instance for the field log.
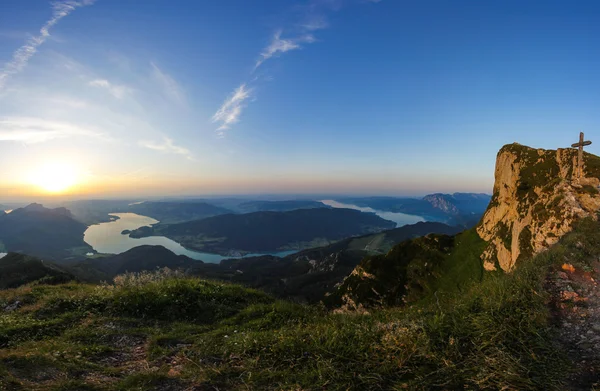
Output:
(225, 236)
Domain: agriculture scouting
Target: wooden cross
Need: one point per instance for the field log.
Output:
(580, 145)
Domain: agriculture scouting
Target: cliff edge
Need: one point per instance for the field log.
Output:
(537, 197)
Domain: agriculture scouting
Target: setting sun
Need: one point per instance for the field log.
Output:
(54, 177)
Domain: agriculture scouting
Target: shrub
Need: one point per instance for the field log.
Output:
(129, 280)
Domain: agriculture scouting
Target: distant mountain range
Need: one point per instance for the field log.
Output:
(57, 234)
(278, 206)
(176, 212)
(42, 232)
(269, 231)
(94, 211)
(463, 209)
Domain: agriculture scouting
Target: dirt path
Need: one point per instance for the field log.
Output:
(575, 304)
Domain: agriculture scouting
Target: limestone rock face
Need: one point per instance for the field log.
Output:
(439, 201)
(535, 202)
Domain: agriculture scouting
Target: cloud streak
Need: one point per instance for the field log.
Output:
(35, 130)
(281, 45)
(117, 91)
(230, 111)
(171, 88)
(167, 146)
(21, 57)
(311, 18)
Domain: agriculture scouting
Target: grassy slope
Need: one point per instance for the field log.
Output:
(413, 270)
(18, 269)
(173, 332)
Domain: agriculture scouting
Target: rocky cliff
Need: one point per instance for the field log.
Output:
(537, 197)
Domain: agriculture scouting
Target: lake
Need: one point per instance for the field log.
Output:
(399, 218)
(2, 255)
(107, 238)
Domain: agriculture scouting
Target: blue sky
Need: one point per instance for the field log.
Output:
(321, 96)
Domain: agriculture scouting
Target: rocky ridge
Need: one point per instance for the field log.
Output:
(536, 199)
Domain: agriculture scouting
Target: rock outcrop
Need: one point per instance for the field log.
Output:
(441, 202)
(536, 199)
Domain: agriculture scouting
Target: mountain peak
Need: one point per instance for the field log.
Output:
(442, 202)
(34, 207)
(537, 197)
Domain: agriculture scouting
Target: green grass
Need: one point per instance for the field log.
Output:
(168, 331)
(463, 265)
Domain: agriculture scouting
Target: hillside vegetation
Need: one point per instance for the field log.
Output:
(412, 270)
(18, 269)
(168, 331)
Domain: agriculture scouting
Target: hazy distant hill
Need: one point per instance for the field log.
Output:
(43, 232)
(95, 211)
(177, 212)
(19, 269)
(270, 231)
(463, 209)
(279, 206)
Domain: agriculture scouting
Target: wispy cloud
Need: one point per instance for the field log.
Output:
(171, 88)
(281, 45)
(118, 91)
(167, 146)
(230, 111)
(314, 23)
(35, 130)
(60, 9)
(308, 19)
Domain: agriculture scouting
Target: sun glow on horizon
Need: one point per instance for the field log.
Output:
(54, 178)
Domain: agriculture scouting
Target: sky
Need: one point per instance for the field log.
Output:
(112, 98)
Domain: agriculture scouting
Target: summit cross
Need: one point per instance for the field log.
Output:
(580, 145)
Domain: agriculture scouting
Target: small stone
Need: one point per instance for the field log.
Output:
(568, 267)
(13, 307)
(175, 371)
